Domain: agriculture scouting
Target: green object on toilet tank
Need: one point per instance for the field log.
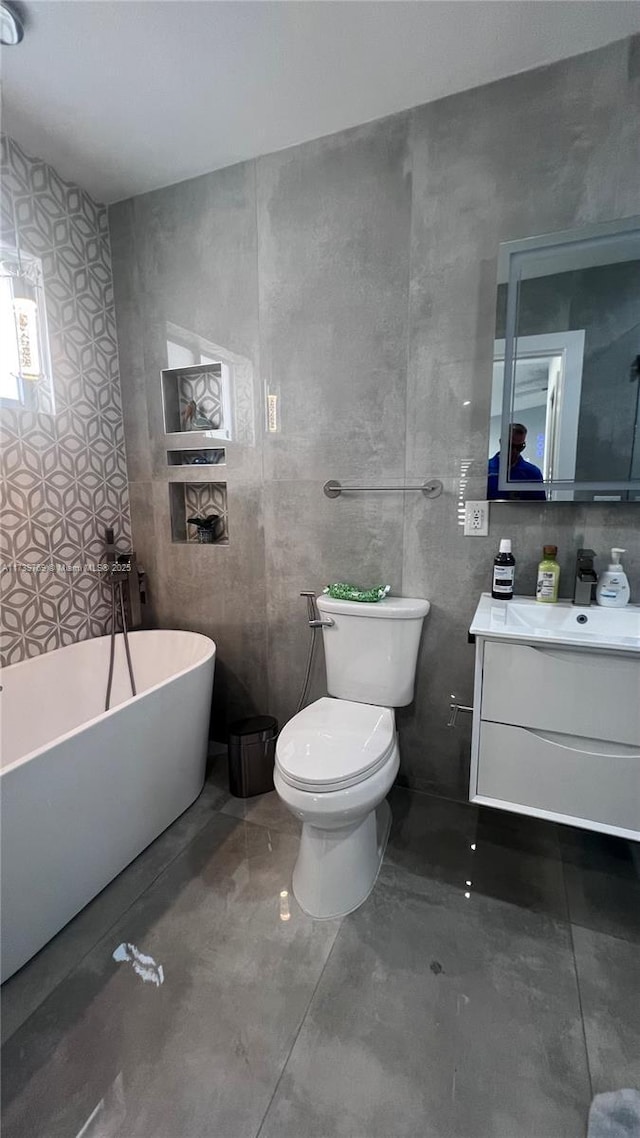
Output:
(344, 592)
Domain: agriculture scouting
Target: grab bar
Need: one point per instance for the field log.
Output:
(432, 488)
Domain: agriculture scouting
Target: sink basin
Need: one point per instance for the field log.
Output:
(524, 618)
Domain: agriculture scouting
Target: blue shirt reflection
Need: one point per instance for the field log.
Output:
(520, 471)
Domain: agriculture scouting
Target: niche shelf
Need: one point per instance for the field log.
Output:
(214, 456)
(197, 400)
(197, 499)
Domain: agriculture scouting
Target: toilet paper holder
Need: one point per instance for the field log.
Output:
(454, 708)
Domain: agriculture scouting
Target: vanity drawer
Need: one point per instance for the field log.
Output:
(564, 774)
(553, 689)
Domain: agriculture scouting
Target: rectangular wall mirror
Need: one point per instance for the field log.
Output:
(565, 406)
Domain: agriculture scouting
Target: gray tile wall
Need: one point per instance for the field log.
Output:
(357, 274)
(63, 475)
(186, 257)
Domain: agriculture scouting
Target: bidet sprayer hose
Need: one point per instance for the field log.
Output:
(313, 625)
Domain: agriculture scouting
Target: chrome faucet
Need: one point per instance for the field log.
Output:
(585, 577)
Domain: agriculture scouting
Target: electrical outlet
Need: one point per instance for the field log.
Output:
(476, 519)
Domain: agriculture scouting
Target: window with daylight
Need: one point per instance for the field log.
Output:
(25, 366)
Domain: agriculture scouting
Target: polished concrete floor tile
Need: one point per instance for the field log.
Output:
(510, 858)
(27, 989)
(602, 875)
(441, 1017)
(193, 998)
(218, 769)
(263, 810)
(191, 1042)
(609, 977)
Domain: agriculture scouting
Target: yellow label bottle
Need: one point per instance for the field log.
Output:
(548, 576)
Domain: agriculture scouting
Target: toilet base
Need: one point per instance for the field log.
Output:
(337, 869)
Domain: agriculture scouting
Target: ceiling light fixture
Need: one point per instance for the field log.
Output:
(11, 29)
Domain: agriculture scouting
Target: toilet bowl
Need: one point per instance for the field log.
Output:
(338, 758)
(335, 764)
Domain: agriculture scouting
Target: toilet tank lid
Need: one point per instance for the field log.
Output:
(391, 608)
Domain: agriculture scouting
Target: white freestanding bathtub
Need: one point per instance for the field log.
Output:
(84, 791)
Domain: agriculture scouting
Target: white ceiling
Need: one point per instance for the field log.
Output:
(123, 96)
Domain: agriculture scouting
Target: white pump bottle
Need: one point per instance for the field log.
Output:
(613, 587)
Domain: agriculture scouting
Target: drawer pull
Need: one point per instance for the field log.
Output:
(566, 656)
(556, 741)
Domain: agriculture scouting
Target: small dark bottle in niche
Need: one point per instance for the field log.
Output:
(504, 572)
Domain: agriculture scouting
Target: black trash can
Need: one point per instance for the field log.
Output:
(252, 752)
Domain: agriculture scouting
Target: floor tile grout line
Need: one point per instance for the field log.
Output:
(577, 976)
(404, 886)
(300, 1027)
(123, 913)
(581, 924)
(603, 932)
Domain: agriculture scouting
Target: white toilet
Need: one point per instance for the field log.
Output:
(338, 758)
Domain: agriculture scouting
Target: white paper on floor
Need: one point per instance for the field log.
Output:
(145, 966)
(615, 1114)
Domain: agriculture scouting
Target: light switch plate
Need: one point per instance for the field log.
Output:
(272, 413)
(476, 519)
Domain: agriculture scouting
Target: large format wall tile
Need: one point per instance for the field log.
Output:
(373, 254)
(185, 264)
(333, 224)
(312, 541)
(64, 472)
(533, 153)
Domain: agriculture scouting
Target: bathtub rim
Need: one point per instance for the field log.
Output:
(211, 654)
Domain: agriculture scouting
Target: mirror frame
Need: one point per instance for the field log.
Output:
(512, 255)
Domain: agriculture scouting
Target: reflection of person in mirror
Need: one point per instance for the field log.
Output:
(519, 470)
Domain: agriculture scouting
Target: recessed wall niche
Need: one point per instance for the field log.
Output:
(201, 500)
(198, 399)
(215, 456)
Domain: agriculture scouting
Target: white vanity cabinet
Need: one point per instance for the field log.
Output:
(556, 726)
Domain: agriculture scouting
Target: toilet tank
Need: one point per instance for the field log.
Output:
(371, 650)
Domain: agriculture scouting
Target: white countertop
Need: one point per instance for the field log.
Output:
(562, 623)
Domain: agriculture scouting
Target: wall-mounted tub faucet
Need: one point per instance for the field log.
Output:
(127, 581)
(109, 546)
(133, 587)
(128, 576)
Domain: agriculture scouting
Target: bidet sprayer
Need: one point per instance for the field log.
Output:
(313, 616)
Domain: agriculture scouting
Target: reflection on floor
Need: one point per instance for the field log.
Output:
(487, 989)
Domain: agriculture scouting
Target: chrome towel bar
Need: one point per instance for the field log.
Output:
(432, 488)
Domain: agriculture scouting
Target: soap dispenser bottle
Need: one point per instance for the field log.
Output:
(613, 587)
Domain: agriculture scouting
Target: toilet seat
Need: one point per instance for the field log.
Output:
(334, 744)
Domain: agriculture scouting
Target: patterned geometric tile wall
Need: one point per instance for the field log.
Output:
(204, 388)
(201, 499)
(63, 475)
